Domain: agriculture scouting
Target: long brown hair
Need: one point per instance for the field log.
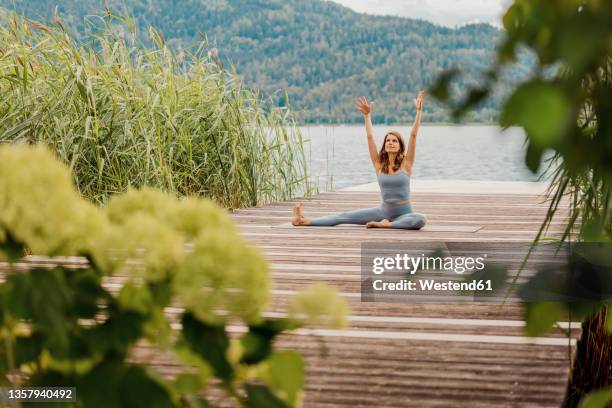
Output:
(383, 156)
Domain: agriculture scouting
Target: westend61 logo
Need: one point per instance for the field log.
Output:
(411, 264)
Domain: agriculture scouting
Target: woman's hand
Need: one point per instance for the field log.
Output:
(364, 106)
(418, 102)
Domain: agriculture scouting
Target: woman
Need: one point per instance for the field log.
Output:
(393, 165)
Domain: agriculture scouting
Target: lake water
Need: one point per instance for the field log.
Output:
(338, 155)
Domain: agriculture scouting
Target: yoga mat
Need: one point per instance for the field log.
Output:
(427, 228)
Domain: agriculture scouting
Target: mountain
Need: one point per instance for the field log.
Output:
(323, 54)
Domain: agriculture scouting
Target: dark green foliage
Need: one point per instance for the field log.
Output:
(257, 342)
(92, 357)
(324, 55)
(124, 386)
(497, 274)
(88, 325)
(27, 349)
(12, 247)
(118, 333)
(440, 89)
(286, 370)
(210, 342)
(565, 106)
(260, 396)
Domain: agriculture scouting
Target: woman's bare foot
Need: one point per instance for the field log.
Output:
(298, 218)
(379, 224)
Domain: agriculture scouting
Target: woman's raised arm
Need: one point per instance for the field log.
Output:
(411, 146)
(366, 108)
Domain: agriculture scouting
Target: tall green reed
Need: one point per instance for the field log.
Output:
(124, 114)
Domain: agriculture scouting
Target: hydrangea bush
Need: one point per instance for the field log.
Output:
(62, 326)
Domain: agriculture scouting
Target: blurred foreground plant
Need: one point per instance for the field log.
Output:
(146, 251)
(565, 106)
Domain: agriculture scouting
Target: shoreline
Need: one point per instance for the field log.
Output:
(462, 187)
(423, 124)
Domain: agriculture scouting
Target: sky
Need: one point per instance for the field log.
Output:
(449, 13)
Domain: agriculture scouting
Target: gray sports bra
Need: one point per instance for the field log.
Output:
(394, 187)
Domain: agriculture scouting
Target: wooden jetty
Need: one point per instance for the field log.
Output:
(405, 354)
(414, 354)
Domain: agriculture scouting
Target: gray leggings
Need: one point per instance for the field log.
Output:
(400, 215)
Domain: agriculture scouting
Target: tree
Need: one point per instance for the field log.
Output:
(565, 106)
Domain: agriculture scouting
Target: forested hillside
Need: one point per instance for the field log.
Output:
(324, 55)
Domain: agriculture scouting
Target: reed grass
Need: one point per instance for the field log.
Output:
(124, 114)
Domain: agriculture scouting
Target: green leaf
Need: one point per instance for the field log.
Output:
(286, 370)
(597, 399)
(506, 53)
(497, 274)
(581, 310)
(608, 324)
(201, 403)
(597, 254)
(257, 346)
(259, 396)
(114, 384)
(8, 135)
(12, 248)
(257, 342)
(82, 89)
(87, 290)
(439, 89)
(195, 402)
(188, 383)
(541, 316)
(594, 230)
(117, 333)
(50, 300)
(474, 97)
(542, 109)
(582, 43)
(511, 18)
(533, 157)
(27, 349)
(99, 387)
(50, 379)
(15, 297)
(157, 328)
(140, 389)
(136, 298)
(161, 292)
(210, 342)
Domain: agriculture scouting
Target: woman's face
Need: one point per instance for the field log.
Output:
(392, 144)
